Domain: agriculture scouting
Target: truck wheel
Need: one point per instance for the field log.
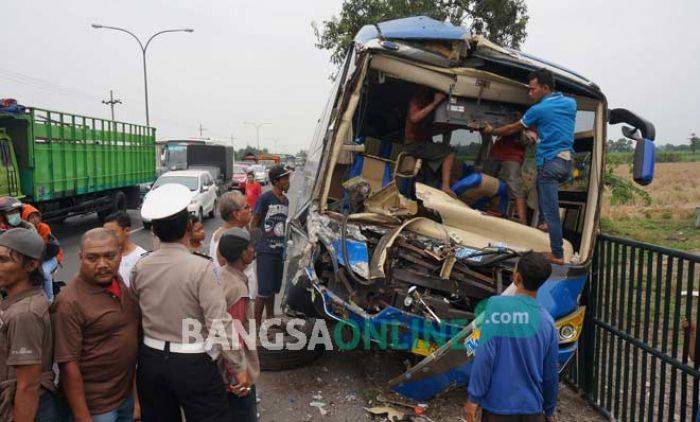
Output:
(118, 204)
(282, 360)
(200, 215)
(120, 201)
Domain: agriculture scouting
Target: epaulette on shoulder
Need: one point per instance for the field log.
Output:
(205, 256)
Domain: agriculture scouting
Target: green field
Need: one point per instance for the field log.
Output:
(672, 233)
(661, 156)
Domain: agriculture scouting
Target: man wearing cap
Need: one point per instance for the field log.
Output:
(271, 216)
(96, 324)
(181, 302)
(26, 336)
(237, 252)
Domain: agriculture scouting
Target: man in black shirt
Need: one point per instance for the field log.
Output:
(270, 215)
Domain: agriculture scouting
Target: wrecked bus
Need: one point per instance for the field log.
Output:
(373, 240)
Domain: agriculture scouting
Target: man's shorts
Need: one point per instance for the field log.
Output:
(431, 152)
(270, 267)
(508, 171)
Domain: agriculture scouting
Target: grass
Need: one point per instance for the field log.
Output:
(669, 220)
(671, 233)
(661, 156)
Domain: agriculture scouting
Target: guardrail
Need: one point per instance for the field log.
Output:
(633, 363)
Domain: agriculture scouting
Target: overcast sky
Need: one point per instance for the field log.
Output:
(255, 61)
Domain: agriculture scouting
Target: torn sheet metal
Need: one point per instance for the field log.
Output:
(479, 230)
(379, 256)
(391, 203)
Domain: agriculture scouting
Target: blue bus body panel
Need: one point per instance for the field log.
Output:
(413, 28)
(427, 388)
(559, 296)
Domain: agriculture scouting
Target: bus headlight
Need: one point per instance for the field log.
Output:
(570, 326)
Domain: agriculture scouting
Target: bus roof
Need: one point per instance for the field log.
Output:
(423, 28)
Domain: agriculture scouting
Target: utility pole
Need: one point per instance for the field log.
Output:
(233, 146)
(201, 131)
(257, 127)
(111, 102)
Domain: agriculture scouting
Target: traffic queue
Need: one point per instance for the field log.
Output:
(125, 338)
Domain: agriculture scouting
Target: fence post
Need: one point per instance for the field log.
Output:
(587, 368)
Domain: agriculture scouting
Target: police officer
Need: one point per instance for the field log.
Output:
(177, 290)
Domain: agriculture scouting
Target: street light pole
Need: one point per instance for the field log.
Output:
(144, 47)
(257, 127)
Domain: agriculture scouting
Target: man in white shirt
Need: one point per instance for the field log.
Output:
(119, 223)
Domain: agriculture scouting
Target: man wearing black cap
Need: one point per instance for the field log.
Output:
(26, 336)
(271, 216)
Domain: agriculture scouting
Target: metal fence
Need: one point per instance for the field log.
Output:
(633, 363)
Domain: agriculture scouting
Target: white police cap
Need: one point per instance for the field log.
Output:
(165, 201)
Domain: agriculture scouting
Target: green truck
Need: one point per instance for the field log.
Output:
(66, 164)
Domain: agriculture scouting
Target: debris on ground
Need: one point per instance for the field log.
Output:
(320, 406)
(392, 414)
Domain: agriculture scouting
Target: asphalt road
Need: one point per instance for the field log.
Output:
(72, 229)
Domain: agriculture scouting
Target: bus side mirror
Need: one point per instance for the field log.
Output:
(643, 164)
(643, 132)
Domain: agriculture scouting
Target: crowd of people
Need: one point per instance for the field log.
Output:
(110, 347)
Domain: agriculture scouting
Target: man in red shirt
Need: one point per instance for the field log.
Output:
(252, 190)
(418, 134)
(505, 162)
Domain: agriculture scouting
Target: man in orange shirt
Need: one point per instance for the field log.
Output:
(252, 190)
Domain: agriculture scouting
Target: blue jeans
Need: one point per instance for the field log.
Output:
(549, 176)
(48, 267)
(123, 413)
(49, 409)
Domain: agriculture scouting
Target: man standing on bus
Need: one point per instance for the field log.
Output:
(554, 115)
(418, 134)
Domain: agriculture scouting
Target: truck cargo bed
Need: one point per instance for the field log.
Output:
(64, 155)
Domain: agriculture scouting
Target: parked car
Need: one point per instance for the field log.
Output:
(200, 183)
(260, 173)
(373, 241)
(240, 175)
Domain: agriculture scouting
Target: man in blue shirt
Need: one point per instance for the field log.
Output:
(554, 115)
(515, 374)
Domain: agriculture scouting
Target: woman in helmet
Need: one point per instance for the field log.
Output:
(11, 214)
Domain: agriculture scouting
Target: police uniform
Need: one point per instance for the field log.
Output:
(172, 285)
